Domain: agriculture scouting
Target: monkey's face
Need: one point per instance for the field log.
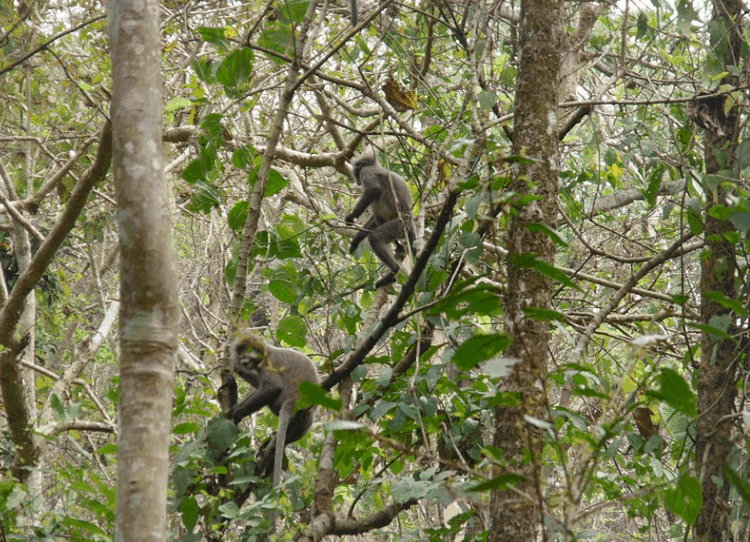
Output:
(361, 163)
(250, 352)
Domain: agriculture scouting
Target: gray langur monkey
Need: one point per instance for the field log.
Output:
(276, 374)
(390, 202)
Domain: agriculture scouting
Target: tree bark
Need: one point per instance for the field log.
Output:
(149, 311)
(517, 514)
(716, 378)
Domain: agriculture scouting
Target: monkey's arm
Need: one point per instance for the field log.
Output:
(261, 397)
(370, 225)
(368, 196)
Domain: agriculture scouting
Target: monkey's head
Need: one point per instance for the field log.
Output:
(360, 163)
(249, 351)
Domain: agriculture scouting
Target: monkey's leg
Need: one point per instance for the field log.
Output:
(380, 239)
(300, 424)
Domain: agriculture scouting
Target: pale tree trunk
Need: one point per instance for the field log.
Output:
(18, 384)
(148, 312)
(716, 378)
(517, 514)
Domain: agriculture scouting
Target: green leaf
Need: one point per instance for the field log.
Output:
(204, 70)
(499, 482)
(238, 215)
(290, 226)
(695, 220)
(294, 10)
(212, 132)
(478, 349)
(58, 407)
(292, 330)
(739, 482)
(185, 428)
(83, 526)
(549, 232)
(276, 183)
(236, 68)
(243, 157)
(685, 499)
(466, 299)
(544, 315)
(200, 168)
(205, 198)
(313, 394)
(220, 433)
(215, 35)
(675, 391)
(531, 261)
(177, 103)
(716, 328)
(284, 285)
(189, 508)
(275, 37)
(108, 449)
(487, 99)
(728, 303)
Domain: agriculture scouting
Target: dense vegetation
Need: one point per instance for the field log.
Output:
(643, 421)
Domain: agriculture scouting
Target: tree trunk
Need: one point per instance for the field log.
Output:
(148, 312)
(716, 377)
(517, 514)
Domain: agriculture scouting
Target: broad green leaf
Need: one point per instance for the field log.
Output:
(685, 499)
(739, 482)
(276, 37)
(243, 157)
(276, 183)
(200, 168)
(215, 35)
(313, 394)
(190, 509)
(177, 103)
(479, 348)
(284, 285)
(238, 215)
(186, 428)
(294, 10)
(236, 68)
(675, 391)
(728, 303)
(206, 197)
(292, 330)
(531, 261)
(499, 482)
(549, 232)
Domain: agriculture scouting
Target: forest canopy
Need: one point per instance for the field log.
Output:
(563, 354)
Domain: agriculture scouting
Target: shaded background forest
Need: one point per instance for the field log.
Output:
(647, 359)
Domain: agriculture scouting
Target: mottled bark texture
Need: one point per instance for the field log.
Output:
(716, 378)
(148, 312)
(517, 514)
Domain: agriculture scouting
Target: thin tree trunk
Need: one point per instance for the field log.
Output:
(716, 377)
(517, 514)
(148, 312)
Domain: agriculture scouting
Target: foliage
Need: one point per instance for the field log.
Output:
(420, 426)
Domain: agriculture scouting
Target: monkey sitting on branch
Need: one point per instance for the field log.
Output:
(390, 202)
(276, 374)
